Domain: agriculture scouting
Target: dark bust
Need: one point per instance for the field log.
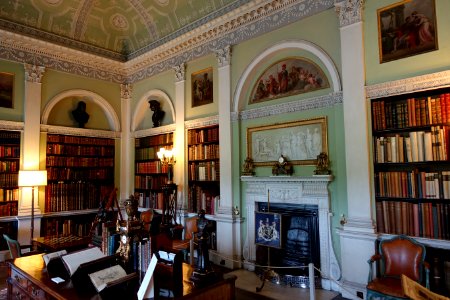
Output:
(158, 114)
(80, 115)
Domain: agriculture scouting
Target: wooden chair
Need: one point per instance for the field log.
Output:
(15, 249)
(397, 256)
(190, 229)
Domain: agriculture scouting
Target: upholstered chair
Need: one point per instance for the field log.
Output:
(16, 250)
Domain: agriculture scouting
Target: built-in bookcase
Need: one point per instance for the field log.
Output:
(80, 172)
(73, 224)
(150, 173)
(203, 169)
(9, 170)
(411, 152)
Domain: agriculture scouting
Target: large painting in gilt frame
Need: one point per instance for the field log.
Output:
(6, 89)
(406, 28)
(287, 77)
(202, 87)
(299, 141)
(268, 229)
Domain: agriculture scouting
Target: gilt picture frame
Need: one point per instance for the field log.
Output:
(299, 141)
(268, 229)
(406, 28)
(202, 87)
(6, 89)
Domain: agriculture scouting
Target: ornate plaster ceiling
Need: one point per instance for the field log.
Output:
(117, 29)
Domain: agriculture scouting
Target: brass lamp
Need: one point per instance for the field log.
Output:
(32, 178)
(167, 158)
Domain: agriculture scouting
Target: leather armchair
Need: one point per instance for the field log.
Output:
(396, 256)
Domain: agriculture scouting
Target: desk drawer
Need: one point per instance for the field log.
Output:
(18, 293)
(19, 279)
(35, 292)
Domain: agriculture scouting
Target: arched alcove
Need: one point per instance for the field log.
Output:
(87, 96)
(142, 110)
(314, 50)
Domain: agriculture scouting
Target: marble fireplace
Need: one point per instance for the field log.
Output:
(293, 191)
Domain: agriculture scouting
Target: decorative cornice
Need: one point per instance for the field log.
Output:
(180, 72)
(80, 131)
(409, 85)
(33, 73)
(294, 106)
(224, 56)
(126, 91)
(208, 121)
(349, 11)
(11, 125)
(154, 131)
(243, 23)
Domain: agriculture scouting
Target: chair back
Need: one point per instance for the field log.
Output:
(146, 219)
(402, 255)
(190, 227)
(14, 247)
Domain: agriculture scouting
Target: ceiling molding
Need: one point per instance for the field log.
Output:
(243, 23)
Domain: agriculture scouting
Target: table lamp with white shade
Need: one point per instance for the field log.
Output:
(32, 178)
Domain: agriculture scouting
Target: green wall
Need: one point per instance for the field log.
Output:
(15, 113)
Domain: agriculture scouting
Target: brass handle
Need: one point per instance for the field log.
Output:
(17, 278)
(19, 296)
(34, 291)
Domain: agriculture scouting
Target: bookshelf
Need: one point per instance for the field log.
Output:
(150, 174)
(411, 153)
(203, 168)
(80, 172)
(9, 170)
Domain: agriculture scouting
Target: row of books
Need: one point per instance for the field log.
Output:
(9, 194)
(411, 112)
(79, 140)
(10, 137)
(201, 198)
(413, 184)
(156, 140)
(149, 182)
(206, 151)
(416, 146)
(8, 208)
(60, 161)
(151, 167)
(66, 227)
(79, 174)
(9, 179)
(204, 171)
(203, 135)
(73, 196)
(152, 200)
(85, 150)
(145, 153)
(429, 220)
(10, 151)
(9, 166)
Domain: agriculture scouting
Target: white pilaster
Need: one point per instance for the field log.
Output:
(125, 141)
(30, 149)
(357, 238)
(179, 136)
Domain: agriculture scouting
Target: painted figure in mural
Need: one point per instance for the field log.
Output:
(158, 114)
(80, 115)
(283, 79)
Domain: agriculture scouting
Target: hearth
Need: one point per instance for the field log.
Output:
(300, 243)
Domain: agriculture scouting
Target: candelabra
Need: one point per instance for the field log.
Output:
(167, 159)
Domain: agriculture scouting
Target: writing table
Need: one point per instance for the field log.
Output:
(61, 242)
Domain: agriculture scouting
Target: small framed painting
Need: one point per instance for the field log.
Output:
(6, 89)
(406, 28)
(268, 229)
(202, 87)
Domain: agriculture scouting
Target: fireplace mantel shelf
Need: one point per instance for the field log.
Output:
(314, 178)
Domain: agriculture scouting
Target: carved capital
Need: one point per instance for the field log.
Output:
(33, 73)
(179, 72)
(126, 90)
(224, 56)
(349, 11)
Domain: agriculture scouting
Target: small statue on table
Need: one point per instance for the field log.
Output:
(124, 247)
(322, 165)
(282, 167)
(248, 167)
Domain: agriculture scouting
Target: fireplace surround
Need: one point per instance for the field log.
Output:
(293, 191)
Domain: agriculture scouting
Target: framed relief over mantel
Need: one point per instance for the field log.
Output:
(299, 141)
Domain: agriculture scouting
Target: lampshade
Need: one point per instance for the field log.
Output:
(32, 178)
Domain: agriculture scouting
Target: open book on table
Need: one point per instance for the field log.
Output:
(101, 279)
(54, 255)
(72, 261)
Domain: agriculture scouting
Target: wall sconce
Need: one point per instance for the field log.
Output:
(167, 158)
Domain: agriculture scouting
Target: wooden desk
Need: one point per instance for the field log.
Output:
(28, 279)
(62, 242)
